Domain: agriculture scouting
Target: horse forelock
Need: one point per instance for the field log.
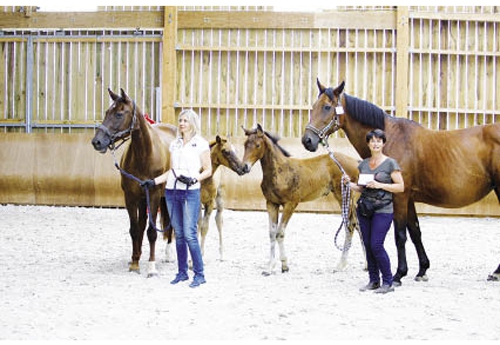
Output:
(330, 94)
(365, 112)
(117, 103)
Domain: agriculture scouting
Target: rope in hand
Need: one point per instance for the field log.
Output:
(346, 198)
(146, 190)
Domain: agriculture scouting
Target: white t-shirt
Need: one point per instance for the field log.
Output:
(186, 160)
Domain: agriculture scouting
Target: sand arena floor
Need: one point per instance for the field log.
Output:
(65, 276)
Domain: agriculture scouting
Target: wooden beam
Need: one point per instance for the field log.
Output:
(468, 17)
(198, 20)
(222, 19)
(169, 71)
(81, 20)
(286, 20)
(403, 41)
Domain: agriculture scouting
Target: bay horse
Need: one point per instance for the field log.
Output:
(288, 181)
(146, 155)
(222, 152)
(451, 169)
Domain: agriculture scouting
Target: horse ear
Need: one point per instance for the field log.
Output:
(247, 131)
(218, 139)
(320, 86)
(339, 89)
(113, 95)
(260, 131)
(124, 95)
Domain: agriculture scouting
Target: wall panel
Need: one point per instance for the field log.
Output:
(238, 66)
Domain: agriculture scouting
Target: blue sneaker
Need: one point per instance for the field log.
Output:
(197, 281)
(180, 277)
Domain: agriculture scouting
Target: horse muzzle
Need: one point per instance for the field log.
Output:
(246, 168)
(310, 141)
(101, 142)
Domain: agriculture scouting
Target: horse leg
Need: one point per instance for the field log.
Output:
(219, 202)
(203, 224)
(349, 232)
(400, 221)
(167, 230)
(416, 238)
(285, 218)
(272, 212)
(351, 228)
(152, 236)
(495, 276)
(135, 235)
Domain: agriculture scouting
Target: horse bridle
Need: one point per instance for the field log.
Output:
(334, 122)
(113, 137)
(346, 192)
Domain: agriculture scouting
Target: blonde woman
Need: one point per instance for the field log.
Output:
(190, 163)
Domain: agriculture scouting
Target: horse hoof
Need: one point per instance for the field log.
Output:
(340, 268)
(285, 270)
(134, 268)
(151, 275)
(266, 274)
(493, 278)
(421, 278)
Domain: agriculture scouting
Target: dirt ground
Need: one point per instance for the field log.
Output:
(65, 277)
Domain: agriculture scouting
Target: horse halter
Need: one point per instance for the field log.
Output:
(334, 122)
(113, 137)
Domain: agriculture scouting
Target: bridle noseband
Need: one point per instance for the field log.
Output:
(334, 122)
(323, 137)
(114, 137)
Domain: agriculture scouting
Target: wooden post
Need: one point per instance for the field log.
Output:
(169, 74)
(402, 61)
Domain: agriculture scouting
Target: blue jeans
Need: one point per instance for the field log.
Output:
(374, 231)
(184, 209)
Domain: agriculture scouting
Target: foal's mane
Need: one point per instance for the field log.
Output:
(274, 140)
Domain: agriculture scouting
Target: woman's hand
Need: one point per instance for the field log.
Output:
(375, 184)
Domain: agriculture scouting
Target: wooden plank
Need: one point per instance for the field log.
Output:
(466, 17)
(81, 20)
(169, 71)
(402, 62)
(198, 20)
(281, 20)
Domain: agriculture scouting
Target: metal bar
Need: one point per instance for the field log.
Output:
(29, 84)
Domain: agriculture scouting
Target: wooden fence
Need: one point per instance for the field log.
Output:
(438, 66)
(242, 66)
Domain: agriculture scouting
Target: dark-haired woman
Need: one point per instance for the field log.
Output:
(382, 177)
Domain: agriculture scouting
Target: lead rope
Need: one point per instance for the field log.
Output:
(346, 197)
(146, 190)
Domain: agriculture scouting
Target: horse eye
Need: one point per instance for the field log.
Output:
(328, 107)
(119, 115)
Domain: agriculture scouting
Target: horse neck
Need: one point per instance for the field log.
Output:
(354, 129)
(271, 159)
(141, 140)
(356, 133)
(215, 162)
